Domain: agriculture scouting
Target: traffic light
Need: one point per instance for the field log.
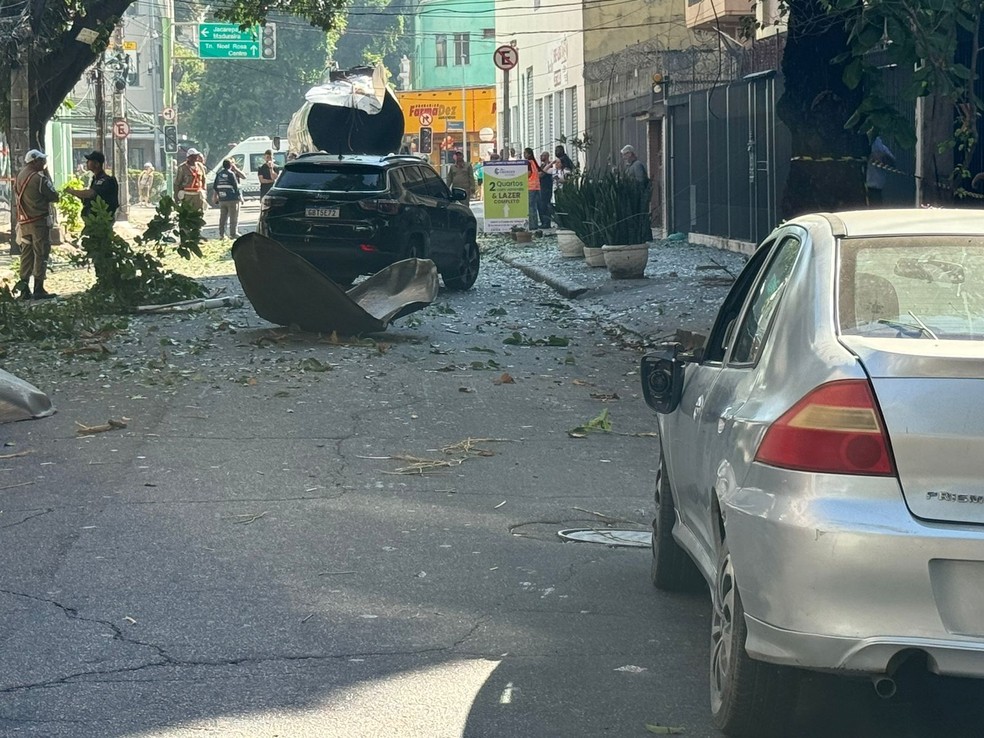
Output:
(170, 139)
(426, 140)
(268, 41)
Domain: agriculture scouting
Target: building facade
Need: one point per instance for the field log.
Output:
(453, 44)
(132, 81)
(545, 104)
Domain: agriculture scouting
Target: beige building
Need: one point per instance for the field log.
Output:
(546, 88)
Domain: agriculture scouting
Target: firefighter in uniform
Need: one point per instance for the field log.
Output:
(35, 192)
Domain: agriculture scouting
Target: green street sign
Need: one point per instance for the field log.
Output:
(226, 41)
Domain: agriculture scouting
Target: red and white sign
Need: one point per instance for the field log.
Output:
(168, 114)
(506, 57)
(121, 129)
(425, 119)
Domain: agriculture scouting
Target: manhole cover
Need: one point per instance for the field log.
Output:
(609, 537)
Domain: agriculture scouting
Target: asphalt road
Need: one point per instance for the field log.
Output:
(295, 537)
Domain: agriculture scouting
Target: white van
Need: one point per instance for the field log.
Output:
(248, 156)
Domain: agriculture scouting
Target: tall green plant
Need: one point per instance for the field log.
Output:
(577, 202)
(622, 209)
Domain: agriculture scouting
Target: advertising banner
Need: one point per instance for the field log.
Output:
(505, 195)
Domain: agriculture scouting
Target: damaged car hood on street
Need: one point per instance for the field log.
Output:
(20, 400)
(287, 290)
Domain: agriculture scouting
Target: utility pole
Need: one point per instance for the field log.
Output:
(121, 128)
(167, 30)
(20, 119)
(99, 103)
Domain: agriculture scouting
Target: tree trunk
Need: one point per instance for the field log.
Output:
(935, 166)
(828, 162)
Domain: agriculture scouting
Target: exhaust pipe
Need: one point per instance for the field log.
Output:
(885, 686)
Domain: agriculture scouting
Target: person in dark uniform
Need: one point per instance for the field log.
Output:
(103, 185)
(267, 172)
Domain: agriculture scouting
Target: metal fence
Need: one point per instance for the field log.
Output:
(727, 159)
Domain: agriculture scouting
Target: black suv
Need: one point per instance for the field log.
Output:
(351, 215)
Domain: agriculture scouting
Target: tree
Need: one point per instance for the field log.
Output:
(237, 98)
(374, 31)
(827, 169)
(835, 99)
(941, 42)
(46, 34)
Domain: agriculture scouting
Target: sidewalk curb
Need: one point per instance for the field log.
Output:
(561, 286)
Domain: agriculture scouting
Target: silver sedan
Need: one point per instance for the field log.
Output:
(823, 459)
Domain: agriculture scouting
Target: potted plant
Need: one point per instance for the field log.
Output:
(622, 215)
(578, 199)
(572, 211)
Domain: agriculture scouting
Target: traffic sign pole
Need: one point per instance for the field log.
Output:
(505, 58)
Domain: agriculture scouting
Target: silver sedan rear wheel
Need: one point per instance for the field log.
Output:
(748, 697)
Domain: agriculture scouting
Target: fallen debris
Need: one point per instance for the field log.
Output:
(15, 455)
(111, 424)
(199, 304)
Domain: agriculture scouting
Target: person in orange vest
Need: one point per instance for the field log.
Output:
(35, 192)
(189, 180)
(534, 188)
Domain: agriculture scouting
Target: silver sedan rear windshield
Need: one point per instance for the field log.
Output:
(919, 287)
(332, 178)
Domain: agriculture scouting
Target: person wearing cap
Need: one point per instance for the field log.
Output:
(103, 186)
(145, 183)
(632, 166)
(189, 180)
(35, 193)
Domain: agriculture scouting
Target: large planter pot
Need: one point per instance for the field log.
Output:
(594, 257)
(626, 262)
(571, 247)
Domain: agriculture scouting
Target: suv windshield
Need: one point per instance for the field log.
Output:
(921, 287)
(332, 178)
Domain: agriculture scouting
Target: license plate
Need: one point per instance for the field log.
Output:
(321, 212)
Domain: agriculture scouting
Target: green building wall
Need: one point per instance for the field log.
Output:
(455, 21)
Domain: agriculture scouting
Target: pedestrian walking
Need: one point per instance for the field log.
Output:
(533, 187)
(189, 180)
(102, 186)
(875, 176)
(35, 193)
(461, 174)
(267, 172)
(228, 198)
(632, 166)
(546, 188)
(145, 183)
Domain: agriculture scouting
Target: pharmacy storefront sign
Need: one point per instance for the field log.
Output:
(506, 195)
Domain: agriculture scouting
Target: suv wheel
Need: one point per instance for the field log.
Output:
(748, 697)
(462, 275)
(416, 249)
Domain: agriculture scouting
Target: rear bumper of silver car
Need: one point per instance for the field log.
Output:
(835, 573)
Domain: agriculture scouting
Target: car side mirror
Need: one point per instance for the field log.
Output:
(662, 379)
(458, 194)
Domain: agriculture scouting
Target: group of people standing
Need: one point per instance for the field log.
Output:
(544, 176)
(35, 193)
